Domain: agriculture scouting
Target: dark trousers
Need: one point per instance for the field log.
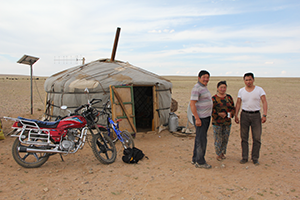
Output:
(252, 120)
(200, 140)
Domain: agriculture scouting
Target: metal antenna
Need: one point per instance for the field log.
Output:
(68, 59)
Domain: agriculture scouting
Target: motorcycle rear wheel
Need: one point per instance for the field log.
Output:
(104, 149)
(28, 159)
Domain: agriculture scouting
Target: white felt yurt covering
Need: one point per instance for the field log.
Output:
(68, 88)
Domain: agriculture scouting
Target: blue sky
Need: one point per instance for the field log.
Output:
(225, 37)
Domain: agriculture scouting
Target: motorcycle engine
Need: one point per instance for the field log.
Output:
(67, 145)
(69, 142)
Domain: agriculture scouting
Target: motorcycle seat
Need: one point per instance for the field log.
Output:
(41, 124)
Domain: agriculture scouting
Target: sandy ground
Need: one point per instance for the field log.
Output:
(168, 173)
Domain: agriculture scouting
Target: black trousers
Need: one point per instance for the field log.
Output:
(252, 120)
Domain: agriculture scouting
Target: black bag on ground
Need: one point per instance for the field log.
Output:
(132, 155)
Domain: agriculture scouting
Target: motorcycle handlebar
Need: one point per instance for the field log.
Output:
(79, 108)
(94, 101)
(97, 101)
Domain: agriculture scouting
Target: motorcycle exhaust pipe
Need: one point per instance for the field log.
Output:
(34, 150)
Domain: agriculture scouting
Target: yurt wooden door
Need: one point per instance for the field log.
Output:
(122, 107)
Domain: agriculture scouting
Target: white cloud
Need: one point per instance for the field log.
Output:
(203, 36)
(160, 31)
(153, 31)
(269, 63)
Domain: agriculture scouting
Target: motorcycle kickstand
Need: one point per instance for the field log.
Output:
(62, 159)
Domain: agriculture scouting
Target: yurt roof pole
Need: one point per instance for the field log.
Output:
(113, 54)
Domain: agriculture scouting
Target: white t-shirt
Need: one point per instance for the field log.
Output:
(251, 100)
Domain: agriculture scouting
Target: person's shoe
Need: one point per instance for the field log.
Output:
(243, 161)
(193, 163)
(204, 166)
(223, 156)
(219, 158)
(255, 162)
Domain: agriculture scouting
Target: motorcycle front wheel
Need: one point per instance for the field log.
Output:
(104, 149)
(28, 159)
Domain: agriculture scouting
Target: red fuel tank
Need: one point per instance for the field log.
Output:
(75, 121)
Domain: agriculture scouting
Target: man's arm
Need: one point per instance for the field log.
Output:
(237, 109)
(194, 111)
(265, 108)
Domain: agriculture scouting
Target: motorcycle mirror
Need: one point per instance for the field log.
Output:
(86, 91)
(64, 107)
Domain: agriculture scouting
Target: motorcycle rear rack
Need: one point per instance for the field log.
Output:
(34, 132)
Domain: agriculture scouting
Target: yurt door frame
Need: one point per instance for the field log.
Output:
(122, 106)
(127, 109)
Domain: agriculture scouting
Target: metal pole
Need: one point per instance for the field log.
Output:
(29, 60)
(113, 54)
(31, 87)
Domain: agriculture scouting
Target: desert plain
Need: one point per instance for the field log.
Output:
(168, 173)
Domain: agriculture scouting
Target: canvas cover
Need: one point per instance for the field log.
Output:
(68, 87)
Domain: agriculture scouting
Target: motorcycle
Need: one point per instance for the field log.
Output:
(37, 140)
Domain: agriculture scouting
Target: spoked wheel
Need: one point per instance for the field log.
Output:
(28, 159)
(128, 139)
(104, 149)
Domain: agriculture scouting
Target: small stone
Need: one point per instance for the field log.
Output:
(46, 189)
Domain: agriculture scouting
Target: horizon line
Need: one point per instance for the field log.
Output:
(172, 75)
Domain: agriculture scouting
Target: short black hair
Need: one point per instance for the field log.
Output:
(221, 83)
(249, 74)
(203, 72)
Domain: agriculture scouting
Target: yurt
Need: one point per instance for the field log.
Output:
(141, 98)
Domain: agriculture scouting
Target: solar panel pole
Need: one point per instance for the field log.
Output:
(31, 94)
(29, 60)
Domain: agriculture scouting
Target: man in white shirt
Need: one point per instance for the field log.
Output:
(250, 97)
